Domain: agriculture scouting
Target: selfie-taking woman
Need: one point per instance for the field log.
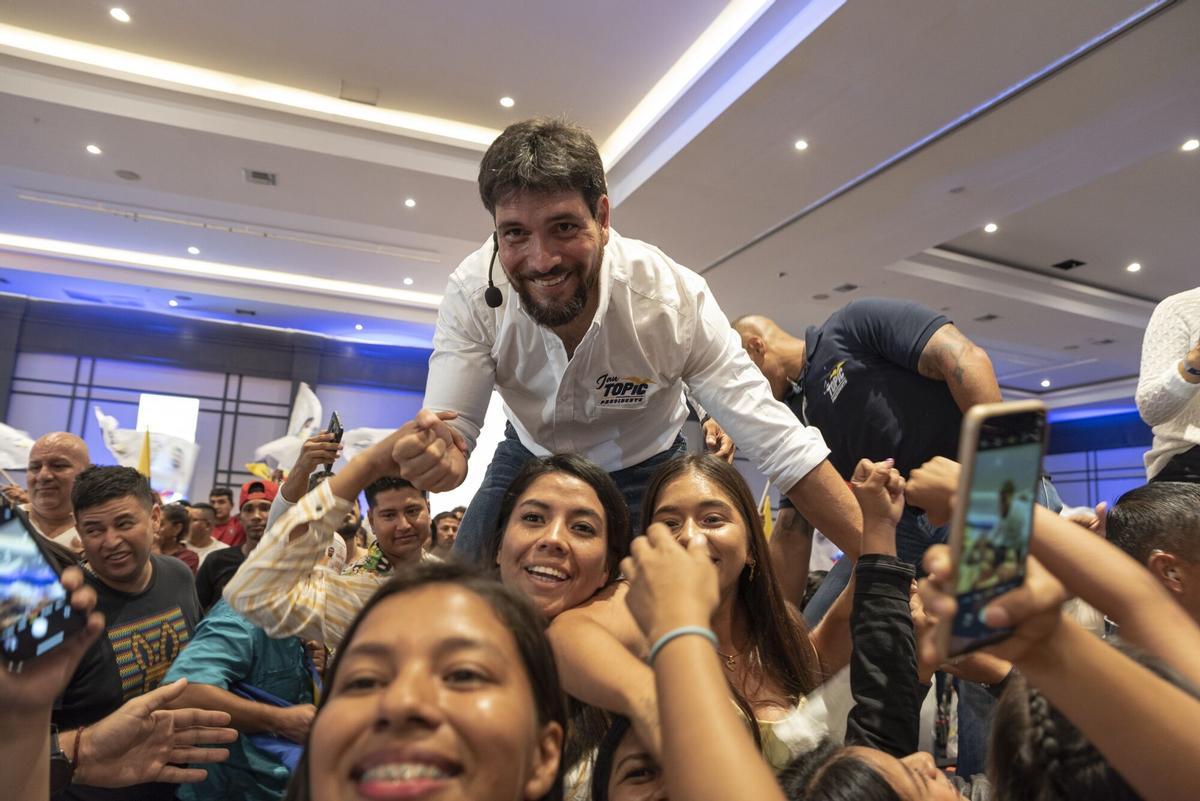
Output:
(466, 705)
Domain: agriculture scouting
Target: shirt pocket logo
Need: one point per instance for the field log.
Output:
(622, 392)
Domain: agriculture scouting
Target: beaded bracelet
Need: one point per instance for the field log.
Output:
(680, 632)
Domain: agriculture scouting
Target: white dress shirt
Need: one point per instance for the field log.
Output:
(620, 398)
(1165, 400)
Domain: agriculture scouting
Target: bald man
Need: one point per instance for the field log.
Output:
(880, 379)
(54, 461)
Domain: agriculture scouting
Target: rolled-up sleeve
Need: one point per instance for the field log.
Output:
(462, 370)
(280, 586)
(721, 376)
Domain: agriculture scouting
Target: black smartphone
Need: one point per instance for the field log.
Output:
(335, 428)
(35, 611)
(1001, 451)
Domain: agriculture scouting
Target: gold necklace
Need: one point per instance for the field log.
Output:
(730, 660)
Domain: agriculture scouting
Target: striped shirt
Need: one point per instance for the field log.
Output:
(281, 587)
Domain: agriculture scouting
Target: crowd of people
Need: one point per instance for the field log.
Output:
(608, 618)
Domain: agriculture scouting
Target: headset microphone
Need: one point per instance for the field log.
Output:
(492, 296)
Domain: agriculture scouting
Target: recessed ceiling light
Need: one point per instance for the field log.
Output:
(1045, 382)
(991, 228)
(119, 14)
(507, 102)
(94, 150)
(195, 251)
(1133, 268)
(1190, 145)
(410, 202)
(172, 303)
(801, 144)
(408, 282)
(358, 326)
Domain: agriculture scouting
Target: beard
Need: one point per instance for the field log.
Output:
(554, 314)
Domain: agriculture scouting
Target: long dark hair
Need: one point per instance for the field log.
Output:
(831, 773)
(616, 512)
(528, 629)
(1036, 753)
(778, 639)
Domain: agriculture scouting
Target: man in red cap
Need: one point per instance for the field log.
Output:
(219, 567)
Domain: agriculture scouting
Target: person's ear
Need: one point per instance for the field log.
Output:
(603, 215)
(1165, 567)
(543, 770)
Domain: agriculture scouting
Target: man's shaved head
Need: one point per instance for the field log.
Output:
(54, 461)
(776, 352)
(66, 443)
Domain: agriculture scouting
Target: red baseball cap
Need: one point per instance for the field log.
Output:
(257, 490)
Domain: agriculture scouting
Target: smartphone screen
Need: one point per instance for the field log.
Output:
(998, 521)
(35, 613)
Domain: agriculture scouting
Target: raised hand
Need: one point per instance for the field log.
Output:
(429, 453)
(669, 585)
(879, 490)
(932, 487)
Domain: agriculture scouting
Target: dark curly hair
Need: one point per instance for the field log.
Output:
(542, 155)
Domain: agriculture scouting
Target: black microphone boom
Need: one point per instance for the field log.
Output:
(492, 296)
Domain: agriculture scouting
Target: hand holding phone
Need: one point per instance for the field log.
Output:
(1000, 452)
(335, 428)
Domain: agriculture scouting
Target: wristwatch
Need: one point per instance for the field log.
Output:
(61, 769)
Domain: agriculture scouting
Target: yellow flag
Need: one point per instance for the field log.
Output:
(144, 460)
(768, 524)
(259, 470)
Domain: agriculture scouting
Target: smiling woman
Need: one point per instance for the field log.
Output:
(466, 706)
(564, 529)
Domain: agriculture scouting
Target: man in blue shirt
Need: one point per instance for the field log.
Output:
(228, 652)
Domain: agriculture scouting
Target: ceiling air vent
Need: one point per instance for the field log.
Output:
(4, 280)
(1069, 264)
(246, 312)
(82, 296)
(845, 288)
(261, 177)
(987, 318)
(1105, 341)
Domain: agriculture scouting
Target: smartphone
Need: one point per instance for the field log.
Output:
(1000, 450)
(35, 611)
(335, 428)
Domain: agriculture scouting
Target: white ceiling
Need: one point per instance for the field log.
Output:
(1085, 164)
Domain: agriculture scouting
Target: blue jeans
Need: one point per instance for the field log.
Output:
(482, 515)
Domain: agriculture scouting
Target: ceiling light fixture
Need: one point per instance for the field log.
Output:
(94, 150)
(195, 251)
(172, 303)
(507, 102)
(801, 144)
(119, 14)
(215, 270)
(410, 202)
(991, 228)
(408, 282)
(1045, 383)
(1190, 145)
(1133, 267)
(358, 326)
(733, 20)
(113, 63)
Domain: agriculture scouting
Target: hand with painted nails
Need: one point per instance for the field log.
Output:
(879, 490)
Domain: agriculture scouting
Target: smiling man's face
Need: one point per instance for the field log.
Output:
(116, 537)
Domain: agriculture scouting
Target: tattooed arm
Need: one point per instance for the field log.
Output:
(964, 366)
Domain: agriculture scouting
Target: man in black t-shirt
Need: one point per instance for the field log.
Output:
(149, 605)
(219, 567)
(880, 379)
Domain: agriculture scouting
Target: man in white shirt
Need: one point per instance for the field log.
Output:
(54, 461)
(1168, 391)
(592, 339)
(200, 538)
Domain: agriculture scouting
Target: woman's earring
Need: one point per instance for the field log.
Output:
(752, 564)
